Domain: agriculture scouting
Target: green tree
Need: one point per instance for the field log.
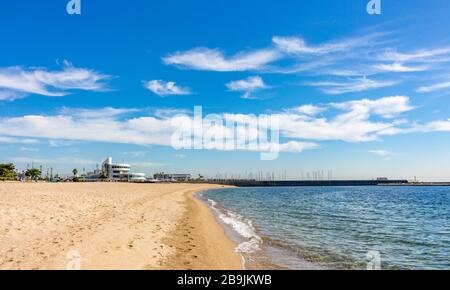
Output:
(102, 176)
(33, 173)
(8, 171)
(75, 175)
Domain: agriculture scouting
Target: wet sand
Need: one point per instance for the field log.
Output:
(110, 226)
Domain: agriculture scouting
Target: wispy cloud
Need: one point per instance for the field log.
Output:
(310, 110)
(168, 112)
(214, 59)
(12, 140)
(163, 88)
(16, 82)
(398, 67)
(424, 55)
(97, 113)
(248, 86)
(296, 146)
(297, 45)
(61, 143)
(33, 160)
(367, 57)
(382, 153)
(136, 154)
(434, 87)
(352, 86)
(50, 161)
(28, 149)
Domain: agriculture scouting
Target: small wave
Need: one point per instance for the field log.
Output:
(241, 225)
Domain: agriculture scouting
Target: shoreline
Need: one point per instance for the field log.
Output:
(201, 242)
(256, 251)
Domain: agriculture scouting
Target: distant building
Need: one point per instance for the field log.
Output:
(172, 177)
(93, 176)
(382, 179)
(137, 177)
(120, 172)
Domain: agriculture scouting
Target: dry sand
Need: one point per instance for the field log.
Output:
(111, 226)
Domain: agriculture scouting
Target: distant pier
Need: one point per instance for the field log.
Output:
(256, 183)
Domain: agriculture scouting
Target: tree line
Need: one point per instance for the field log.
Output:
(8, 172)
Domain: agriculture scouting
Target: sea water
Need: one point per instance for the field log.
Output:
(337, 227)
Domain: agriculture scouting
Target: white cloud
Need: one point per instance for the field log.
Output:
(16, 82)
(297, 45)
(382, 153)
(293, 45)
(342, 128)
(214, 60)
(27, 149)
(61, 143)
(32, 160)
(295, 146)
(248, 86)
(352, 86)
(48, 161)
(97, 113)
(433, 126)
(353, 124)
(387, 107)
(4, 139)
(163, 88)
(136, 154)
(351, 56)
(138, 131)
(434, 87)
(424, 55)
(363, 56)
(398, 67)
(168, 112)
(142, 131)
(10, 95)
(310, 110)
(352, 121)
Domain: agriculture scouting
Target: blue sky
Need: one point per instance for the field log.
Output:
(361, 95)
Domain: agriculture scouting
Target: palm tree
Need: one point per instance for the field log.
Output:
(75, 175)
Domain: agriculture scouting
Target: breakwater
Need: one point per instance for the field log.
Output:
(257, 183)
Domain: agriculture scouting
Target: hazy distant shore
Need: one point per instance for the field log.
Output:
(110, 226)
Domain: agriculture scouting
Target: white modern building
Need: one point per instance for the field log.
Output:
(121, 172)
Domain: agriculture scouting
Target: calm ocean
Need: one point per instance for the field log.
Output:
(337, 227)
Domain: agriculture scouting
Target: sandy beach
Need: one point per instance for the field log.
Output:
(110, 226)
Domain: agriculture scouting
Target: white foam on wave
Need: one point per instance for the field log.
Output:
(241, 225)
